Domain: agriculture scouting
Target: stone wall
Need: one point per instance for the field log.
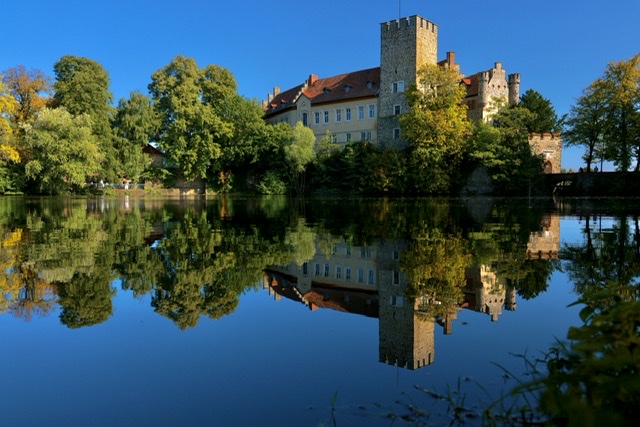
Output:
(549, 145)
(405, 46)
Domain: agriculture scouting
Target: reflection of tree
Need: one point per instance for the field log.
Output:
(86, 299)
(205, 269)
(530, 277)
(435, 265)
(609, 260)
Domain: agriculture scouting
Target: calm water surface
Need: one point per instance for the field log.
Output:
(123, 311)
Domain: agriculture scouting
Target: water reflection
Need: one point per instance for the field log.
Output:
(411, 264)
(412, 285)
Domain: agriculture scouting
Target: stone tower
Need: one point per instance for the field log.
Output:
(514, 89)
(405, 46)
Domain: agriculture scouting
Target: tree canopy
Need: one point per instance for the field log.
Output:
(544, 117)
(63, 150)
(435, 127)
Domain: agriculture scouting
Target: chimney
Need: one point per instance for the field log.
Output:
(312, 79)
(276, 91)
(451, 58)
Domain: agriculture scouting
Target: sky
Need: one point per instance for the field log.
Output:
(558, 46)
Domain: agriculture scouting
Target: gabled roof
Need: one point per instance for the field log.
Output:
(151, 150)
(472, 85)
(358, 84)
(284, 100)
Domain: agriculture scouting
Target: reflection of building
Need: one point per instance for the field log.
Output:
(368, 281)
(486, 293)
(545, 244)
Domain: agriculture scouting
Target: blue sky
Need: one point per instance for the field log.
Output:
(558, 46)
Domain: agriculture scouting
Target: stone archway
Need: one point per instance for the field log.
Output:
(548, 167)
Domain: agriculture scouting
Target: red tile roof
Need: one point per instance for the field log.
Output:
(472, 85)
(358, 84)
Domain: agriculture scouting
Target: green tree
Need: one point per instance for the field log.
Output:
(135, 123)
(82, 87)
(544, 117)
(621, 87)
(585, 124)
(299, 153)
(64, 151)
(503, 148)
(192, 104)
(435, 128)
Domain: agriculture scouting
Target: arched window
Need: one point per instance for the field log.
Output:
(305, 119)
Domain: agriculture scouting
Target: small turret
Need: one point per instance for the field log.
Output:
(514, 89)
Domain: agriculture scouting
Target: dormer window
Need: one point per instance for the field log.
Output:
(370, 84)
(326, 91)
(347, 89)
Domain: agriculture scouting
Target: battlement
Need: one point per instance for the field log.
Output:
(514, 78)
(534, 136)
(412, 364)
(414, 21)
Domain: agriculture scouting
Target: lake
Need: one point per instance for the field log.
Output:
(275, 311)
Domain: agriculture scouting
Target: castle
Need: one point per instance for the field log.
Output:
(365, 105)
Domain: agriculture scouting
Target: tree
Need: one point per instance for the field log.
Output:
(135, 123)
(544, 117)
(9, 156)
(585, 123)
(621, 87)
(82, 87)
(7, 108)
(503, 148)
(192, 103)
(298, 154)
(64, 151)
(435, 127)
(30, 90)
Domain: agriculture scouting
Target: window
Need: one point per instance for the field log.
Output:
(316, 118)
(305, 119)
(396, 255)
(372, 111)
(316, 269)
(360, 275)
(396, 109)
(398, 86)
(348, 250)
(305, 268)
(338, 115)
(396, 133)
(361, 112)
(338, 272)
(347, 273)
(396, 301)
(365, 136)
(396, 277)
(326, 117)
(326, 270)
(347, 113)
(348, 137)
(347, 89)
(371, 277)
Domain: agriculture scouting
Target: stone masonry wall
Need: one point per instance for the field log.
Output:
(549, 145)
(405, 46)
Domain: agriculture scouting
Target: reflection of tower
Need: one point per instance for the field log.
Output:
(545, 244)
(485, 293)
(406, 339)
